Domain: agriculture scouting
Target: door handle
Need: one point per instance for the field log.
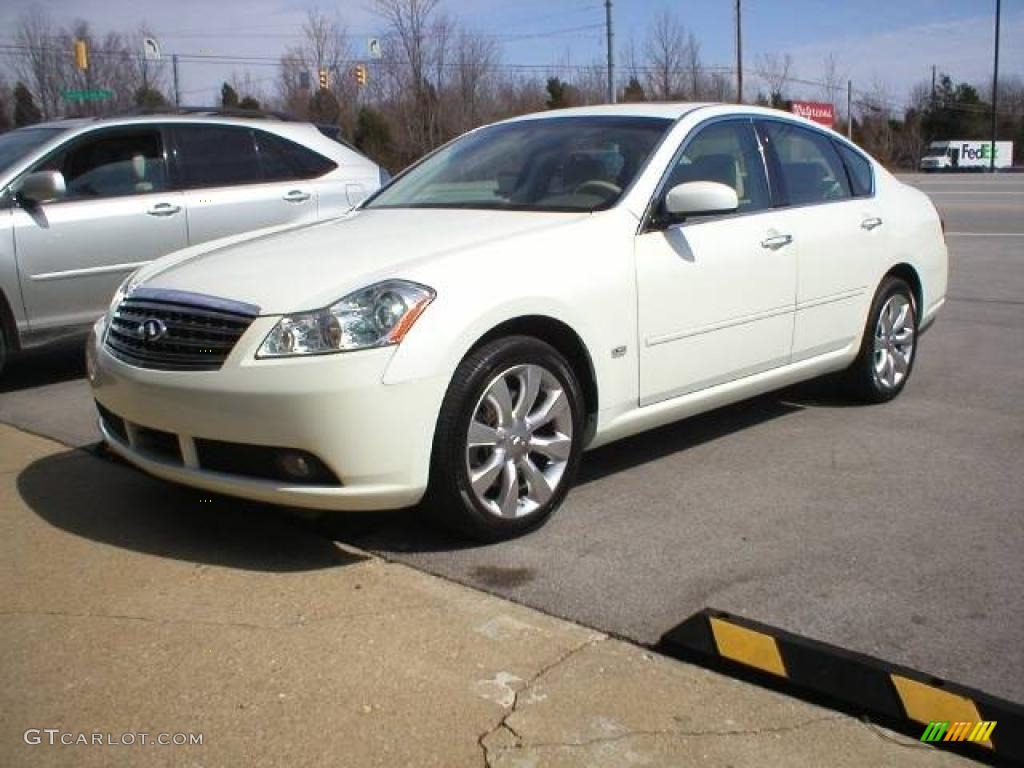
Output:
(164, 209)
(775, 242)
(871, 223)
(296, 196)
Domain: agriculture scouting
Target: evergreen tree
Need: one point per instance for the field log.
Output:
(634, 91)
(149, 98)
(25, 110)
(373, 136)
(557, 97)
(228, 96)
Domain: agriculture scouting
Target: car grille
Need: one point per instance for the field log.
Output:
(177, 330)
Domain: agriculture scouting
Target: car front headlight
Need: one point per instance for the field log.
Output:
(377, 316)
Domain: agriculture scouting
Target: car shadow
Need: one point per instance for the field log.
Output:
(111, 503)
(54, 363)
(410, 530)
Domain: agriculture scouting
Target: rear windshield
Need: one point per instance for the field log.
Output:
(548, 164)
(14, 145)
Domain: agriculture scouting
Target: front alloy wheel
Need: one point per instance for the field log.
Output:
(519, 441)
(507, 442)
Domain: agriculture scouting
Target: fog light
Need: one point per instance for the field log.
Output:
(295, 465)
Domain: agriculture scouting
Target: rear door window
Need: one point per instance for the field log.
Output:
(859, 169)
(809, 165)
(284, 160)
(217, 156)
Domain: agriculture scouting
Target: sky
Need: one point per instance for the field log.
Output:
(880, 44)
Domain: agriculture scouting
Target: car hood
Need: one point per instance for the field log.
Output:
(289, 270)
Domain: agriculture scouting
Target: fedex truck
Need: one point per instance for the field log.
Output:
(963, 155)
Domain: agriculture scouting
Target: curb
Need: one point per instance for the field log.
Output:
(902, 699)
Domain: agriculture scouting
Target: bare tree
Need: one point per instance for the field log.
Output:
(776, 71)
(39, 63)
(666, 52)
(692, 65)
(324, 47)
(720, 87)
(832, 78)
(475, 60)
(412, 52)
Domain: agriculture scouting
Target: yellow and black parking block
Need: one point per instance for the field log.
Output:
(922, 706)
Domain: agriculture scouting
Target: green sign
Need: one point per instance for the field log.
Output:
(96, 94)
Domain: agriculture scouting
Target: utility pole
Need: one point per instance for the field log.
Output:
(611, 51)
(995, 93)
(174, 68)
(849, 109)
(739, 51)
(933, 84)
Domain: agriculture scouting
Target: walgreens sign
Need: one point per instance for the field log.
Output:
(814, 110)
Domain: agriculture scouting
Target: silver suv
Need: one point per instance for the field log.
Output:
(85, 202)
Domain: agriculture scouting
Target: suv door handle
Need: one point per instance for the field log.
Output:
(775, 242)
(296, 196)
(871, 223)
(164, 209)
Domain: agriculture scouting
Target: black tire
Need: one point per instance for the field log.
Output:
(450, 498)
(4, 348)
(862, 379)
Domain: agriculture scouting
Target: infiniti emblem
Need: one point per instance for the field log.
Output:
(151, 329)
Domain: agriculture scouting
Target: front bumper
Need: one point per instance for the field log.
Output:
(375, 438)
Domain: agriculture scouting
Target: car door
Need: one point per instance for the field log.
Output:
(120, 211)
(715, 294)
(837, 236)
(227, 189)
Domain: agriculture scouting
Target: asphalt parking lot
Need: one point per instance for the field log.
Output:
(892, 530)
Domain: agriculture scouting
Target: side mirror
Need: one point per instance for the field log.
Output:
(700, 198)
(42, 187)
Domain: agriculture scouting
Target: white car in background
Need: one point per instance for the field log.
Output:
(85, 202)
(535, 288)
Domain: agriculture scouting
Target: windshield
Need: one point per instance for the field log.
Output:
(16, 144)
(936, 151)
(550, 164)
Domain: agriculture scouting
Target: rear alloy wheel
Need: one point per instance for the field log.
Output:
(890, 341)
(508, 440)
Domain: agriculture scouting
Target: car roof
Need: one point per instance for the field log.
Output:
(669, 110)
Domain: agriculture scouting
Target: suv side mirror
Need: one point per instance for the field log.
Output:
(700, 198)
(42, 187)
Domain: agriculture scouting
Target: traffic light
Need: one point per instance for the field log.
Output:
(360, 72)
(81, 54)
(323, 79)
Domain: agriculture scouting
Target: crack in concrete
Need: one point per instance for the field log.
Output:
(301, 622)
(671, 733)
(503, 724)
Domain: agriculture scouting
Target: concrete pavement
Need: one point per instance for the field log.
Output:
(127, 611)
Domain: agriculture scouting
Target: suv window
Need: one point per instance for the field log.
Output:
(810, 167)
(112, 165)
(217, 156)
(728, 153)
(283, 159)
(859, 169)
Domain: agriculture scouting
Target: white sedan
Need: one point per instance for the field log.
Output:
(533, 289)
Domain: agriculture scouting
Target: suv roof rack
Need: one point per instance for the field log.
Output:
(212, 111)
